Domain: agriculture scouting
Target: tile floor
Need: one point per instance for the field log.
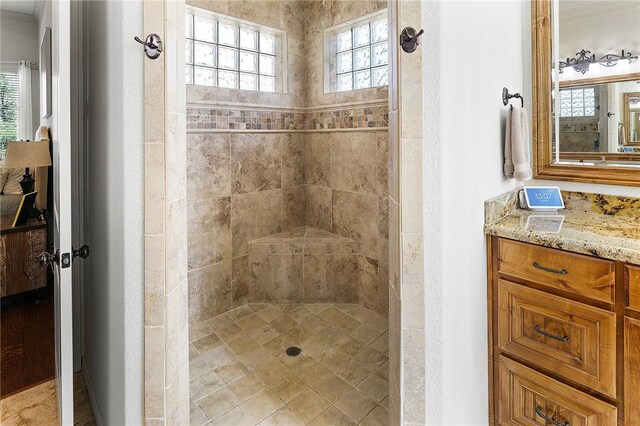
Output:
(38, 405)
(240, 374)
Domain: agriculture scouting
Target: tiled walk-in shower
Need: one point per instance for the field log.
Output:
(241, 375)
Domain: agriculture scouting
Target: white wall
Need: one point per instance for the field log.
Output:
(474, 49)
(115, 270)
(19, 37)
(19, 41)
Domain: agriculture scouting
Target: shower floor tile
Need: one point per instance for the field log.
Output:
(241, 376)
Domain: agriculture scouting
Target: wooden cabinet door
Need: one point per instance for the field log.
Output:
(574, 340)
(631, 371)
(528, 398)
(632, 274)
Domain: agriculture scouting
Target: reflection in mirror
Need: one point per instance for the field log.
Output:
(631, 119)
(597, 38)
(595, 117)
(600, 118)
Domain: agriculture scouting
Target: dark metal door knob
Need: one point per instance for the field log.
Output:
(45, 258)
(83, 252)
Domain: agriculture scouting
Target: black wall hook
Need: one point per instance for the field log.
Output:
(410, 39)
(506, 96)
(152, 45)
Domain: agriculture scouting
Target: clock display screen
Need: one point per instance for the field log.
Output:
(544, 197)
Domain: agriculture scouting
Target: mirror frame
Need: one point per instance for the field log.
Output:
(541, 66)
(627, 115)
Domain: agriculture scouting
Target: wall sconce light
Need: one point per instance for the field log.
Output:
(584, 59)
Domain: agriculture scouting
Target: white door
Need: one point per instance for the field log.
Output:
(62, 226)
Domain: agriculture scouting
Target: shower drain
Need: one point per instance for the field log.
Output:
(293, 351)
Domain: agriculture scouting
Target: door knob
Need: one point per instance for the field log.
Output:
(45, 258)
(83, 252)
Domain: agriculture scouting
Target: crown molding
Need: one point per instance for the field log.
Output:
(596, 9)
(18, 16)
(39, 9)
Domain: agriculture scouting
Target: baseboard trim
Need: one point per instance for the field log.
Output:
(92, 397)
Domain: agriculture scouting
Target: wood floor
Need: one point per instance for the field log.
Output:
(38, 405)
(27, 340)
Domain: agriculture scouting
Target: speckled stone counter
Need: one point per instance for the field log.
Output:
(598, 225)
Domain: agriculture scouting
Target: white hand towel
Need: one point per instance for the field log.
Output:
(622, 135)
(517, 146)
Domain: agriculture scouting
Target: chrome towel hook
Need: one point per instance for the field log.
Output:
(410, 39)
(152, 45)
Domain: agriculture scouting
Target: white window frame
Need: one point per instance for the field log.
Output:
(11, 69)
(280, 54)
(331, 50)
(584, 115)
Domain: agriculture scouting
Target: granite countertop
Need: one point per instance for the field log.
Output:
(594, 224)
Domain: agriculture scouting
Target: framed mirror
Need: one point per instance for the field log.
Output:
(631, 119)
(586, 90)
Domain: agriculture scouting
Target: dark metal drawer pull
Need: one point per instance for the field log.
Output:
(553, 336)
(549, 419)
(555, 271)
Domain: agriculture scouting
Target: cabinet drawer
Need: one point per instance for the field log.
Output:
(633, 290)
(569, 338)
(575, 273)
(529, 398)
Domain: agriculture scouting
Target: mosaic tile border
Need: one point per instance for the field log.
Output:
(234, 118)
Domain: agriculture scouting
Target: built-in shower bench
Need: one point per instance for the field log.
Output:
(304, 265)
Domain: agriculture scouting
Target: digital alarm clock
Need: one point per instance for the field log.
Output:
(543, 198)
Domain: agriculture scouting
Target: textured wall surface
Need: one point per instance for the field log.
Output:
(240, 187)
(166, 314)
(114, 276)
(252, 173)
(245, 186)
(463, 167)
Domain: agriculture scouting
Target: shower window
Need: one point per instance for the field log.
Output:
(578, 102)
(229, 53)
(357, 54)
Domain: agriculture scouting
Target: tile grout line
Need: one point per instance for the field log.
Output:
(332, 323)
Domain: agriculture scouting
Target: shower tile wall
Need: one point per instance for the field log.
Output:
(166, 363)
(244, 185)
(240, 187)
(346, 194)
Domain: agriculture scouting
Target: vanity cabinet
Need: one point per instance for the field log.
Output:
(632, 370)
(564, 338)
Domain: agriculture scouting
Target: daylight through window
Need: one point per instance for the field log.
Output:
(358, 54)
(578, 102)
(9, 95)
(226, 53)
